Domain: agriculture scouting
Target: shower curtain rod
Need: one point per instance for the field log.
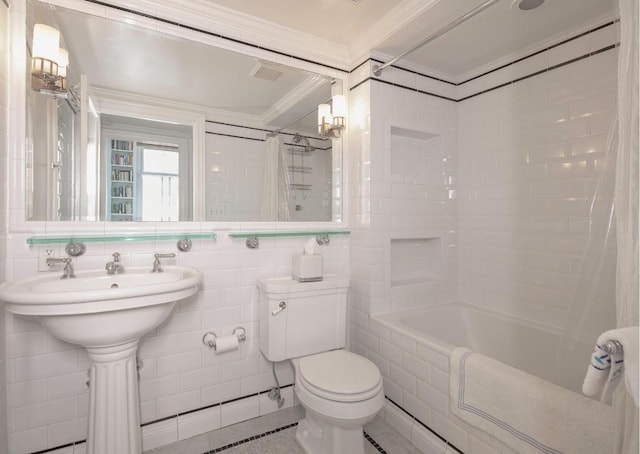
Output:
(377, 69)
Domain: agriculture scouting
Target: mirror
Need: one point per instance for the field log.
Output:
(156, 127)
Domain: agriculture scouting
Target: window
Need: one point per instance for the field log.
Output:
(160, 182)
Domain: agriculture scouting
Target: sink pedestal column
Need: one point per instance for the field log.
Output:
(114, 406)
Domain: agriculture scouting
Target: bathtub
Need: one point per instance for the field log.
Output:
(524, 345)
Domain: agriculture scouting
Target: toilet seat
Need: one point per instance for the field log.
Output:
(340, 376)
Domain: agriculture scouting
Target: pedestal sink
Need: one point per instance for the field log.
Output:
(106, 314)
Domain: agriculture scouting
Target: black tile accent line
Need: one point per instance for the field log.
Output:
(234, 40)
(550, 68)
(211, 406)
(252, 438)
(379, 448)
(419, 73)
(536, 73)
(233, 136)
(253, 128)
(216, 35)
(580, 35)
(164, 419)
(57, 447)
(368, 437)
(426, 427)
(261, 140)
(364, 62)
(402, 86)
(238, 126)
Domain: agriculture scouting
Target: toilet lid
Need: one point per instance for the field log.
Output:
(339, 375)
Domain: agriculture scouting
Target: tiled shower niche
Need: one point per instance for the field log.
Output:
(415, 271)
(418, 170)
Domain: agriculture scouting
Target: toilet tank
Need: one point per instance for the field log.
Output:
(313, 320)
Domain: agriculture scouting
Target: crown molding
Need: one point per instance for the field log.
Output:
(240, 28)
(292, 98)
(207, 112)
(237, 31)
(388, 25)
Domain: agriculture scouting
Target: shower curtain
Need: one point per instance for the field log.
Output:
(626, 208)
(275, 188)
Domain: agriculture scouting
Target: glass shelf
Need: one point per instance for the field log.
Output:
(118, 238)
(283, 234)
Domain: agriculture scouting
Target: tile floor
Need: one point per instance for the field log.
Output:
(276, 441)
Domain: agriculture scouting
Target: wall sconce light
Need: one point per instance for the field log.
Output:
(49, 62)
(332, 118)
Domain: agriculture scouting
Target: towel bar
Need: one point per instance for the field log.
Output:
(612, 346)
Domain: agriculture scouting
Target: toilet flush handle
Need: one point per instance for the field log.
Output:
(282, 306)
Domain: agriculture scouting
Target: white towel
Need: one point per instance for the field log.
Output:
(605, 370)
(526, 413)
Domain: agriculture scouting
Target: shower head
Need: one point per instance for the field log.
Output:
(297, 138)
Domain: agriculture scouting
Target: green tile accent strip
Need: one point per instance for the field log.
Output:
(283, 234)
(118, 238)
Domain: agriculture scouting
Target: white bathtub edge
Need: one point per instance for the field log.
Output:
(421, 438)
(390, 321)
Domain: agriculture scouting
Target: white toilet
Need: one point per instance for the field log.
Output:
(340, 391)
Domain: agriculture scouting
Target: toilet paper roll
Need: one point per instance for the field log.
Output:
(225, 344)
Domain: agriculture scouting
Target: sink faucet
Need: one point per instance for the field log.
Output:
(156, 262)
(67, 272)
(115, 266)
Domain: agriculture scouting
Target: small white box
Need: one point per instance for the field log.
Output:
(307, 267)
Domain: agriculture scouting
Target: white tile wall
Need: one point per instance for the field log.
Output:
(233, 178)
(4, 115)
(552, 148)
(520, 261)
(46, 379)
(390, 200)
(522, 164)
(235, 169)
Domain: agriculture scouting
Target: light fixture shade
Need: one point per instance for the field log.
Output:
(63, 62)
(46, 41)
(339, 106)
(324, 113)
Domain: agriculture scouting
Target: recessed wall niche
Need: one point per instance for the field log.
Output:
(415, 156)
(415, 272)
(415, 261)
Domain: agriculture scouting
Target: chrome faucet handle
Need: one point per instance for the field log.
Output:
(157, 267)
(115, 266)
(67, 272)
(116, 261)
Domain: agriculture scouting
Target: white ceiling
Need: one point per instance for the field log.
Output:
(334, 20)
(130, 59)
(119, 56)
(499, 31)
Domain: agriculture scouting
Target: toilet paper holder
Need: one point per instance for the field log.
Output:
(209, 338)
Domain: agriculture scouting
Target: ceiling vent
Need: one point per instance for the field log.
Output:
(266, 71)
